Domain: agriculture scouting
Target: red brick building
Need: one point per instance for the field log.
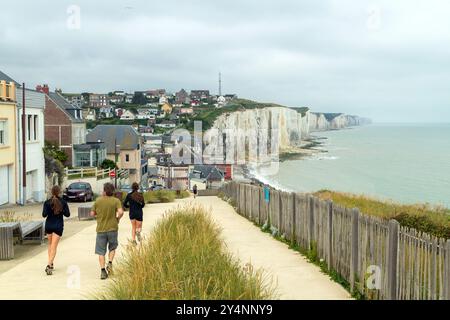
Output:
(64, 124)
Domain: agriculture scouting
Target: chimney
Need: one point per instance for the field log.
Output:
(44, 88)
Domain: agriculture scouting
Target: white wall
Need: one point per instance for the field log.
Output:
(35, 163)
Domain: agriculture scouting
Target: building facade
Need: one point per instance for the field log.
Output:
(8, 136)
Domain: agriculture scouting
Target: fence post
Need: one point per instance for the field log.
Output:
(311, 221)
(81, 170)
(294, 210)
(392, 259)
(280, 214)
(447, 271)
(330, 234)
(354, 251)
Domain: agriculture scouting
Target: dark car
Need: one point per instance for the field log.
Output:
(79, 191)
(156, 187)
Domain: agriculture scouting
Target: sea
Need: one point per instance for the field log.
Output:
(405, 163)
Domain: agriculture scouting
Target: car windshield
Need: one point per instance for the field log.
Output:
(77, 186)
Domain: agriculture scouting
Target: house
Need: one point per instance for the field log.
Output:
(153, 143)
(181, 97)
(163, 100)
(209, 176)
(199, 94)
(171, 175)
(64, 124)
(166, 124)
(155, 93)
(98, 100)
(144, 113)
(123, 142)
(221, 101)
(8, 138)
(128, 115)
(106, 112)
(129, 98)
(90, 154)
(166, 109)
(195, 103)
(186, 110)
(116, 99)
(119, 112)
(90, 114)
(34, 136)
(76, 100)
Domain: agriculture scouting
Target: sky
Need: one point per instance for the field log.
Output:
(387, 60)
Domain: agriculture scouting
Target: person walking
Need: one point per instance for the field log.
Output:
(135, 202)
(108, 211)
(194, 189)
(54, 210)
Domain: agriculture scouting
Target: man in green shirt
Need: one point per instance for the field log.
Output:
(108, 210)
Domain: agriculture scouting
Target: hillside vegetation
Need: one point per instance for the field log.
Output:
(184, 259)
(422, 217)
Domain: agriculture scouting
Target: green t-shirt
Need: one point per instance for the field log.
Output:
(106, 209)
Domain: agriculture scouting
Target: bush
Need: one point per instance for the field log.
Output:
(184, 259)
(183, 194)
(10, 216)
(159, 196)
(108, 164)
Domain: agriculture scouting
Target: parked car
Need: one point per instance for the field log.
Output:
(156, 187)
(126, 188)
(79, 191)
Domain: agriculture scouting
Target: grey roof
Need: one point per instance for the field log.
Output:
(89, 146)
(208, 172)
(6, 78)
(126, 136)
(65, 105)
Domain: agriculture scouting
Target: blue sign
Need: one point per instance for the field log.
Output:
(266, 194)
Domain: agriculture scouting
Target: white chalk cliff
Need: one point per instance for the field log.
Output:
(285, 127)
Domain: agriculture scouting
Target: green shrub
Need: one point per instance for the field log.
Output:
(184, 258)
(183, 194)
(422, 217)
(166, 195)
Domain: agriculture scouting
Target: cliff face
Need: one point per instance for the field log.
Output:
(269, 127)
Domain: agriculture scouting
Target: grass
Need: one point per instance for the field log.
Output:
(10, 216)
(185, 259)
(433, 220)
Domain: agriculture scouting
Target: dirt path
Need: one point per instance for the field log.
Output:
(295, 277)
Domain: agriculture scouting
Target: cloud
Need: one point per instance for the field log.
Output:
(384, 59)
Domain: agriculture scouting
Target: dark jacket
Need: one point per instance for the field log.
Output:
(55, 221)
(133, 205)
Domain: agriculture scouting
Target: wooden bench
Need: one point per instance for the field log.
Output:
(84, 213)
(24, 231)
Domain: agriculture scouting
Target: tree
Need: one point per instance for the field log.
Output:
(139, 98)
(52, 150)
(108, 164)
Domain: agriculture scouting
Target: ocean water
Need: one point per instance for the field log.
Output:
(405, 163)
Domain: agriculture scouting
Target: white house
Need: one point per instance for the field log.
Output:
(127, 115)
(166, 124)
(34, 136)
(107, 112)
(91, 115)
(163, 100)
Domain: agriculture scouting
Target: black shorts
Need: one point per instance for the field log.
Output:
(59, 232)
(136, 216)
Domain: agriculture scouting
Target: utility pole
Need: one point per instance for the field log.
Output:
(24, 149)
(115, 162)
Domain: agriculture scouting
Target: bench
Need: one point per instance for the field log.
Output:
(84, 213)
(24, 231)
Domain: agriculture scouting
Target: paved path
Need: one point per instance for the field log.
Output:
(295, 277)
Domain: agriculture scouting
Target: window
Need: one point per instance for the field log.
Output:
(3, 129)
(35, 127)
(127, 157)
(29, 127)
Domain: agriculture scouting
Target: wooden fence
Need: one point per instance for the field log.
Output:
(87, 172)
(378, 258)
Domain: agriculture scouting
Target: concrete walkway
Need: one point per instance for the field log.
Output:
(77, 273)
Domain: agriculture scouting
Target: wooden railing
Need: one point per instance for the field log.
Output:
(377, 257)
(79, 173)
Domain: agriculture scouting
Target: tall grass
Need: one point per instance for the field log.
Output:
(423, 217)
(183, 259)
(11, 216)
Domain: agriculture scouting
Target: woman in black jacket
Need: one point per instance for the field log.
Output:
(135, 202)
(55, 209)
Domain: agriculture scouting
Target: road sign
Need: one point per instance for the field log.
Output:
(112, 174)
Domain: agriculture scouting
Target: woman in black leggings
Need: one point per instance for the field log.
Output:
(135, 201)
(55, 209)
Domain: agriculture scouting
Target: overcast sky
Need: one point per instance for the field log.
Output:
(388, 60)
